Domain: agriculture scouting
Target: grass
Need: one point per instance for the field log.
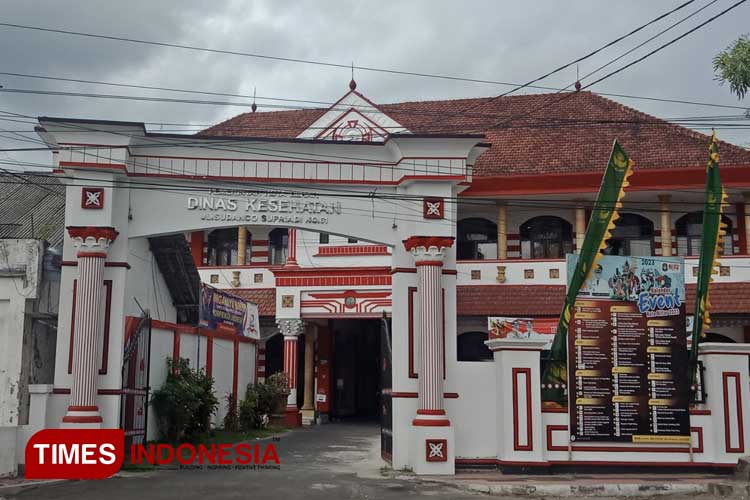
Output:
(218, 436)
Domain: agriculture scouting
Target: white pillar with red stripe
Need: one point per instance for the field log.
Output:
(92, 244)
(432, 439)
(291, 260)
(291, 330)
(428, 252)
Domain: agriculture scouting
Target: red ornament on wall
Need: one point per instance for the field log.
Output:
(92, 198)
(436, 450)
(433, 208)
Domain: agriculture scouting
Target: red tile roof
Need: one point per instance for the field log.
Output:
(547, 300)
(530, 134)
(264, 297)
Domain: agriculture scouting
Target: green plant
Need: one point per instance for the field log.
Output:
(732, 65)
(185, 403)
(262, 399)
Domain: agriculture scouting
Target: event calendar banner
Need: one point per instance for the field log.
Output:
(627, 353)
(223, 311)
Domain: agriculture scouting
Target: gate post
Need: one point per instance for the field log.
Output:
(291, 329)
(432, 443)
(92, 244)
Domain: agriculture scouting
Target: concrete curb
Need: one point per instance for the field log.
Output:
(569, 490)
(13, 489)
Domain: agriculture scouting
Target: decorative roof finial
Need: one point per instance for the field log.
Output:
(254, 106)
(352, 83)
(578, 81)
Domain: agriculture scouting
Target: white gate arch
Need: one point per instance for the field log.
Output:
(125, 184)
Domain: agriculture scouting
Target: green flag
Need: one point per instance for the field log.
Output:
(713, 231)
(601, 223)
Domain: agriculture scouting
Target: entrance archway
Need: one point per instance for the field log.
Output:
(395, 194)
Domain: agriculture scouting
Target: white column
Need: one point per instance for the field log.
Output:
(291, 329)
(432, 440)
(92, 244)
(666, 225)
(580, 227)
(502, 231)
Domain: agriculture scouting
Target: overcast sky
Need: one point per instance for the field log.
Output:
(494, 40)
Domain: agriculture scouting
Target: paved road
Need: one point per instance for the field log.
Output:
(334, 461)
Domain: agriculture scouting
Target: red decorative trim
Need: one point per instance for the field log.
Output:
(349, 250)
(95, 255)
(580, 182)
(517, 446)
(83, 408)
(725, 376)
(413, 270)
(430, 412)
(410, 293)
(100, 392)
(209, 355)
(95, 232)
(235, 369)
(413, 395)
(175, 345)
(73, 263)
(428, 241)
(89, 419)
(72, 327)
(82, 164)
(436, 263)
(107, 321)
(419, 422)
(525, 349)
(333, 276)
(549, 431)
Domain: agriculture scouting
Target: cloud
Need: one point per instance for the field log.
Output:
(506, 41)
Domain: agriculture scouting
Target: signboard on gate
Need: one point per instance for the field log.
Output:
(226, 312)
(627, 353)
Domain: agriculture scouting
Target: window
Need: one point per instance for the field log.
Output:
(222, 247)
(471, 347)
(324, 238)
(477, 239)
(546, 237)
(689, 228)
(351, 240)
(278, 246)
(633, 235)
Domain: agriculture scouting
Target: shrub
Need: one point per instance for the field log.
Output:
(262, 399)
(185, 403)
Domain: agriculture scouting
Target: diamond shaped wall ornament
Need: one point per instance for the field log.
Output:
(287, 301)
(92, 198)
(436, 450)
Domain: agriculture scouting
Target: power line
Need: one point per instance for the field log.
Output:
(323, 63)
(657, 35)
(642, 58)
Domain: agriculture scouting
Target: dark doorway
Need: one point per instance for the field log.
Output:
(356, 368)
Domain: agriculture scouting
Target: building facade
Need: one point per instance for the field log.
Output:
(377, 240)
